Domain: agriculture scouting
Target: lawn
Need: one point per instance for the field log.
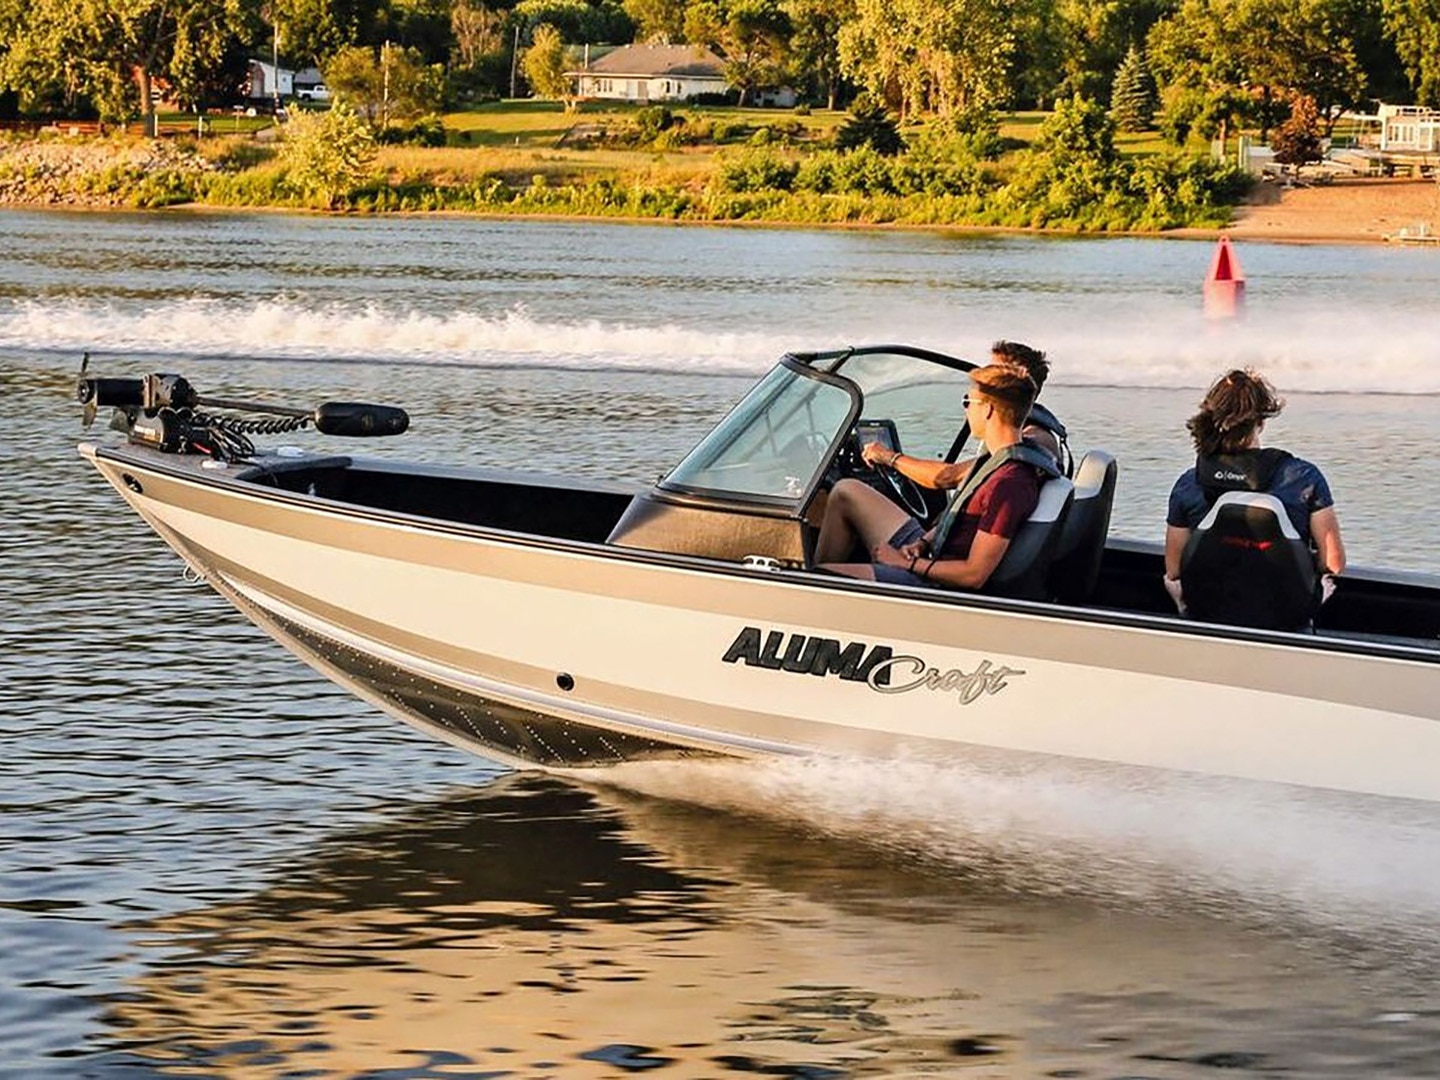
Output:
(543, 124)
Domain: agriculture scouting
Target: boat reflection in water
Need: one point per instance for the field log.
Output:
(535, 927)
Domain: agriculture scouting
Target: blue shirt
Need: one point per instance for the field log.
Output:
(1299, 485)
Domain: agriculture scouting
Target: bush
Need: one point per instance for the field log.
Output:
(426, 131)
(725, 131)
(757, 170)
(729, 98)
(165, 188)
(327, 155)
(652, 120)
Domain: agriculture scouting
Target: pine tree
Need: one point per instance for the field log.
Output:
(1132, 95)
(869, 124)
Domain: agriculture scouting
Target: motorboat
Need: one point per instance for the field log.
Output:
(555, 622)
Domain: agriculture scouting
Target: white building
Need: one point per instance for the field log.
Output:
(268, 81)
(1409, 129)
(645, 73)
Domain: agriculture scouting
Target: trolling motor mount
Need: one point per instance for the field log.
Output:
(164, 411)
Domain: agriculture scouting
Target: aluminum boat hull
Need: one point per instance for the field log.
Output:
(547, 652)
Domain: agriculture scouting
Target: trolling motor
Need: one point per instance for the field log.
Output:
(166, 412)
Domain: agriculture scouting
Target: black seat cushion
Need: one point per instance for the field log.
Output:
(1246, 565)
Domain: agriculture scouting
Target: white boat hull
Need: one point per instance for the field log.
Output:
(562, 654)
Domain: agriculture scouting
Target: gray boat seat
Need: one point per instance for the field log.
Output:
(1247, 566)
(1024, 570)
(1076, 568)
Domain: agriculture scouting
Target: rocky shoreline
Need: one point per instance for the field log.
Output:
(89, 173)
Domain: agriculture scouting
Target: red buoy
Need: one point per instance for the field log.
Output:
(1225, 284)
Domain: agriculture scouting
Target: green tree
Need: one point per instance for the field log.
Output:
(750, 34)
(1271, 49)
(814, 44)
(544, 65)
(315, 30)
(327, 155)
(110, 52)
(657, 20)
(1095, 36)
(1414, 26)
(477, 30)
(392, 83)
(1132, 98)
(935, 55)
(869, 124)
(577, 20)
(1073, 173)
(1210, 113)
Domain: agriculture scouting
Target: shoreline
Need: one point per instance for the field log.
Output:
(1354, 211)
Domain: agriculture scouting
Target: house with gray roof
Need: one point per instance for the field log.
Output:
(645, 73)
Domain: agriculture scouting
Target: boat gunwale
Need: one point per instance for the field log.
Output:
(236, 485)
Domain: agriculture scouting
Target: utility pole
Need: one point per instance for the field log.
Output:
(385, 87)
(514, 60)
(275, 59)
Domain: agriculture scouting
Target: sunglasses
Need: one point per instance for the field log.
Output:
(972, 399)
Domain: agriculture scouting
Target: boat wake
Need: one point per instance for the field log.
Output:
(1164, 344)
(1349, 867)
(291, 330)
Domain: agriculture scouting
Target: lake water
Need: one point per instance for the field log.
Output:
(214, 863)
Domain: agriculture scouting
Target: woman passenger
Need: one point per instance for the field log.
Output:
(1226, 432)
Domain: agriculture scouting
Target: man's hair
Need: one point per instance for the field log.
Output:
(1032, 360)
(1236, 404)
(1008, 387)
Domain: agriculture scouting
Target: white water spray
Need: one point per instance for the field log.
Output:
(1164, 344)
(1156, 841)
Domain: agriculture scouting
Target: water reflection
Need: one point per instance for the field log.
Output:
(536, 927)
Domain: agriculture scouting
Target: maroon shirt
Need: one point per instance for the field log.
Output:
(1000, 506)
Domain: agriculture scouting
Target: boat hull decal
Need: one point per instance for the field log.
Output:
(877, 666)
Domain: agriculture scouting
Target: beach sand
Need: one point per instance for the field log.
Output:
(1357, 210)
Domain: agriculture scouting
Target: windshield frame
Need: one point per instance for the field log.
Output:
(839, 357)
(826, 367)
(797, 364)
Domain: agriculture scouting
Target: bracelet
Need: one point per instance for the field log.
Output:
(894, 457)
(926, 575)
(911, 567)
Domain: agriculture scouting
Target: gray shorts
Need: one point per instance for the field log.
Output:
(907, 533)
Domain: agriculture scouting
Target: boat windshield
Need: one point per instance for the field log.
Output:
(774, 442)
(924, 398)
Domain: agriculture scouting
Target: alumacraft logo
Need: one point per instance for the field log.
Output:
(875, 665)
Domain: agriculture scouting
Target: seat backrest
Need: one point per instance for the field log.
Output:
(1025, 567)
(1081, 547)
(1246, 565)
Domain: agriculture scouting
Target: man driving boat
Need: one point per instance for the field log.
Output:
(996, 495)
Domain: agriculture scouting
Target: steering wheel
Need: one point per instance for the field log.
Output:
(909, 494)
(850, 461)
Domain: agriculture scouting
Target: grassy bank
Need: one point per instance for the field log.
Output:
(706, 165)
